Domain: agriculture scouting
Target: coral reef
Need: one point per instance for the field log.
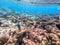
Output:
(21, 30)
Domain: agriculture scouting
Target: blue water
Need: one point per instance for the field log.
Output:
(27, 7)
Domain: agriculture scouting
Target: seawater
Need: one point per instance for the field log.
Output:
(28, 7)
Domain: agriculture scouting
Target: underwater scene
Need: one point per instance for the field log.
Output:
(29, 22)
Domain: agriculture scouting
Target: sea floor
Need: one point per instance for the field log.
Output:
(23, 30)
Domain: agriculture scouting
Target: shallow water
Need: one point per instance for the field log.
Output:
(27, 7)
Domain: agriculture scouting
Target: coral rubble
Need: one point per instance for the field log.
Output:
(39, 31)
